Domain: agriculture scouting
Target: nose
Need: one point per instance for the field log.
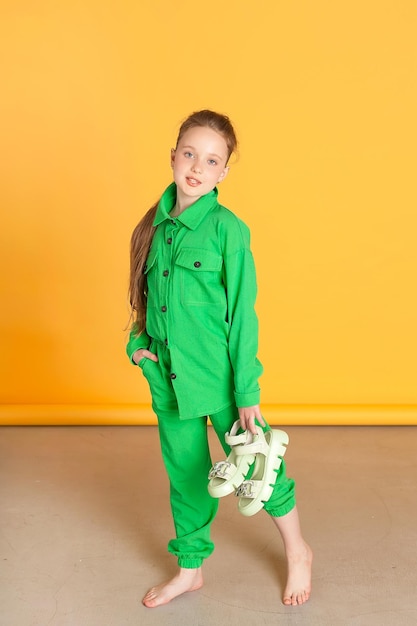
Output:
(197, 168)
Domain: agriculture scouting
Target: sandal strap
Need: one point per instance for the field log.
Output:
(236, 440)
(259, 445)
(256, 444)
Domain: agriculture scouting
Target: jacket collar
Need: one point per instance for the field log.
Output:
(191, 217)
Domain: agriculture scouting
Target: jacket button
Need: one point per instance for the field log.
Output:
(166, 342)
(197, 264)
(163, 308)
(169, 240)
(165, 273)
(173, 376)
(173, 222)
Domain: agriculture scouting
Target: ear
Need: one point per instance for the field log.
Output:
(223, 174)
(172, 156)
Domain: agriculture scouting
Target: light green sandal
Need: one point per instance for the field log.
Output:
(226, 476)
(269, 446)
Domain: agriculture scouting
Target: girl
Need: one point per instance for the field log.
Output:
(195, 337)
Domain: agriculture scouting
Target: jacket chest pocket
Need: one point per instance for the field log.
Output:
(200, 274)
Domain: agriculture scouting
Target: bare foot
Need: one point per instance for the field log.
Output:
(185, 580)
(298, 587)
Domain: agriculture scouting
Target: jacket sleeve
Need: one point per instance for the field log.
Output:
(137, 342)
(240, 279)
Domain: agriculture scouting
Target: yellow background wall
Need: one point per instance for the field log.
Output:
(323, 96)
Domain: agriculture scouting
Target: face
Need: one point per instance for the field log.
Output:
(198, 163)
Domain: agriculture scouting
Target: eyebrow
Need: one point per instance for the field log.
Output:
(211, 154)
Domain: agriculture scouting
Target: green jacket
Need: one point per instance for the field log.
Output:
(201, 296)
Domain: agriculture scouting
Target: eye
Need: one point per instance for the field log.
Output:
(188, 154)
(212, 162)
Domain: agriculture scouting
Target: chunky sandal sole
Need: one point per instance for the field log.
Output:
(255, 492)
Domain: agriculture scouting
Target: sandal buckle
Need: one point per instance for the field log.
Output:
(219, 469)
(245, 489)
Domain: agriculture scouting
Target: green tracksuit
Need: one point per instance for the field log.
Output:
(202, 324)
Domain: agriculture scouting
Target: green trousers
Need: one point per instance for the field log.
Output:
(187, 459)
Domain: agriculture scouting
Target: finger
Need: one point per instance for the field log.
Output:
(251, 426)
(137, 356)
(258, 416)
(150, 355)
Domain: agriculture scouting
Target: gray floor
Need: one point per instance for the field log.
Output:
(85, 521)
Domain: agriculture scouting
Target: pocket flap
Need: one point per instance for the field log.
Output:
(199, 260)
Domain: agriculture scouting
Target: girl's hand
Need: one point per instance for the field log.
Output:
(141, 354)
(247, 416)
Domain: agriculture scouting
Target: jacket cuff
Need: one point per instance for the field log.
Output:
(137, 343)
(247, 399)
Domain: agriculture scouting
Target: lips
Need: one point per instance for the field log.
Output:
(192, 182)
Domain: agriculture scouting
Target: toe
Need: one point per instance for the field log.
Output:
(149, 597)
(296, 598)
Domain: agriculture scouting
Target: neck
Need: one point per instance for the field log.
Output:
(177, 210)
(182, 204)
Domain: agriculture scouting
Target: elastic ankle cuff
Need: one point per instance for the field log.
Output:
(189, 563)
(281, 511)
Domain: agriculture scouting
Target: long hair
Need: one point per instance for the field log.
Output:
(143, 234)
(139, 247)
